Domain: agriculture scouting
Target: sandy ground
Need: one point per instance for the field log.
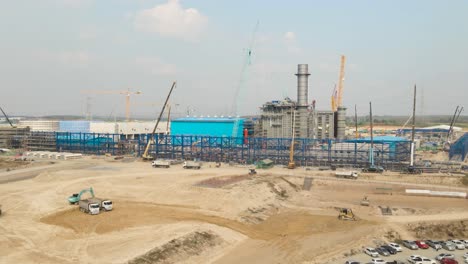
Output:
(212, 215)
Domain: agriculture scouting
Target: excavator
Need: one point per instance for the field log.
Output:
(76, 197)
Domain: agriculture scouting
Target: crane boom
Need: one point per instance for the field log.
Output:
(8, 119)
(341, 81)
(145, 154)
(242, 81)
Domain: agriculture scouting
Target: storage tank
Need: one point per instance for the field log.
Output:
(302, 84)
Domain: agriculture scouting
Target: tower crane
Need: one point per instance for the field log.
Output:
(242, 81)
(127, 94)
(337, 96)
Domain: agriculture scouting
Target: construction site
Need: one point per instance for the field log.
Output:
(293, 182)
(288, 187)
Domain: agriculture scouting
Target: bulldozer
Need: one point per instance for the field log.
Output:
(346, 214)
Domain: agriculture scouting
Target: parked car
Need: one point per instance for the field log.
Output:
(382, 251)
(395, 246)
(458, 244)
(445, 255)
(434, 244)
(448, 261)
(377, 261)
(390, 249)
(465, 255)
(421, 260)
(448, 246)
(421, 244)
(371, 252)
(352, 262)
(410, 244)
(466, 242)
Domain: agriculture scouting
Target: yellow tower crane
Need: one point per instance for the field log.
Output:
(127, 94)
(337, 96)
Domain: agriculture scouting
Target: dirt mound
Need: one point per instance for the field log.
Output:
(126, 215)
(219, 182)
(442, 230)
(9, 163)
(179, 249)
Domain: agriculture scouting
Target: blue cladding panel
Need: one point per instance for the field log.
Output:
(74, 126)
(219, 127)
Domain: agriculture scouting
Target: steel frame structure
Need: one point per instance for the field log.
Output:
(307, 152)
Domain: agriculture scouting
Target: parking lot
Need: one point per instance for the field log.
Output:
(404, 255)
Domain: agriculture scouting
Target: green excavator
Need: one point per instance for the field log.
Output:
(76, 197)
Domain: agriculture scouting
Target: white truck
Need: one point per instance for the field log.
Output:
(347, 174)
(191, 165)
(89, 206)
(104, 204)
(161, 163)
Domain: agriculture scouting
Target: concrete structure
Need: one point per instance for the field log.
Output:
(40, 125)
(340, 123)
(285, 118)
(325, 124)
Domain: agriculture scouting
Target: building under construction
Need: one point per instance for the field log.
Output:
(287, 118)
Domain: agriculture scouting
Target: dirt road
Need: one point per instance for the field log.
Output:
(266, 218)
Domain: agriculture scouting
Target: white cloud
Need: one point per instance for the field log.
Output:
(170, 19)
(75, 3)
(74, 57)
(290, 41)
(290, 36)
(68, 58)
(156, 66)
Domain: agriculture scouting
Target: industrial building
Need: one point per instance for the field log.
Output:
(287, 118)
(208, 126)
(129, 130)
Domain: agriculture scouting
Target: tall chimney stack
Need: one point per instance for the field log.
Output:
(302, 84)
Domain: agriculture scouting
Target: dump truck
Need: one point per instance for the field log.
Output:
(104, 204)
(347, 174)
(161, 163)
(191, 165)
(89, 206)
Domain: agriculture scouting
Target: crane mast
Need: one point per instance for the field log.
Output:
(341, 81)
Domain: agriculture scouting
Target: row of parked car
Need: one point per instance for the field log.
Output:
(394, 248)
(449, 245)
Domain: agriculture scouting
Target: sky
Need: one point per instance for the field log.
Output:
(67, 57)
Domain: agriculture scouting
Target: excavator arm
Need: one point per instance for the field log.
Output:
(75, 198)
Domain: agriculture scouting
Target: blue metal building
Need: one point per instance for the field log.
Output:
(207, 126)
(459, 148)
(74, 126)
